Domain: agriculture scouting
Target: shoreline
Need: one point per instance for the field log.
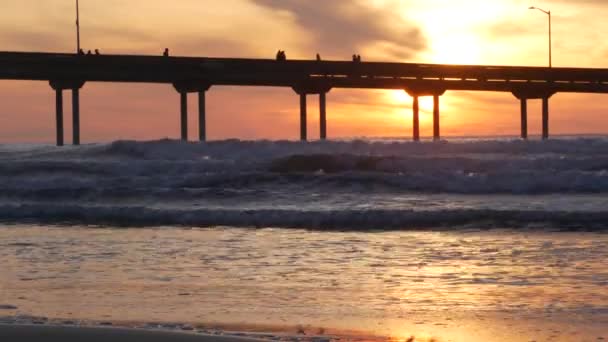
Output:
(34, 328)
(35, 333)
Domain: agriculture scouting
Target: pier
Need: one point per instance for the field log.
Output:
(306, 77)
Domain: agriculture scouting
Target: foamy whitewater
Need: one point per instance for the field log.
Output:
(383, 184)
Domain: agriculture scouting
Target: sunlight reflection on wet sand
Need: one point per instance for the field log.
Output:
(455, 286)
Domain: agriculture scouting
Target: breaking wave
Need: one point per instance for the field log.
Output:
(371, 219)
(333, 184)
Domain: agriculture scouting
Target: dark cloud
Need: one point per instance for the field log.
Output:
(343, 27)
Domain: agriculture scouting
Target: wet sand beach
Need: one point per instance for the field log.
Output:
(34, 333)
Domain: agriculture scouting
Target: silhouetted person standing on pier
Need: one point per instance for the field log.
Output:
(166, 52)
(281, 55)
(318, 57)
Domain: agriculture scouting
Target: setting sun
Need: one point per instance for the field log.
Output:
(400, 97)
(456, 50)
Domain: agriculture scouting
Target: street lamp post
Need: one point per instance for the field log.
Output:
(548, 13)
(77, 28)
(76, 91)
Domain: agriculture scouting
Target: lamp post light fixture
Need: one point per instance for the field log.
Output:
(548, 13)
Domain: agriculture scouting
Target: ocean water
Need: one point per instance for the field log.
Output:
(558, 184)
(466, 240)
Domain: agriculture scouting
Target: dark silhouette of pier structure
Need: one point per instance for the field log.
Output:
(305, 77)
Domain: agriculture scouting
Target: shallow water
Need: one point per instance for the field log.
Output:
(467, 285)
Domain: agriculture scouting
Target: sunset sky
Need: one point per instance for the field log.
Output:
(489, 32)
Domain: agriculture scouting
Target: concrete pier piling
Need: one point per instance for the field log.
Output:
(311, 88)
(525, 94)
(193, 86)
(59, 87)
(416, 123)
(76, 117)
(59, 115)
(303, 122)
(322, 116)
(184, 115)
(416, 92)
(524, 118)
(436, 132)
(545, 118)
(202, 120)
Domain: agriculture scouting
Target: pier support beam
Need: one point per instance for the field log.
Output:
(545, 118)
(303, 122)
(416, 91)
(76, 117)
(202, 120)
(183, 96)
(524, 118)
(59, 115)
(322, 116)
(416, 123)
(59, 86)
(436, 132)
(193, 86)
(303, 89)
(525, 93)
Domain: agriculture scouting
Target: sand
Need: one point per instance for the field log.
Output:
(33, 333)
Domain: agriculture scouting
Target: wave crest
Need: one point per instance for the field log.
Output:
(318, 220)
